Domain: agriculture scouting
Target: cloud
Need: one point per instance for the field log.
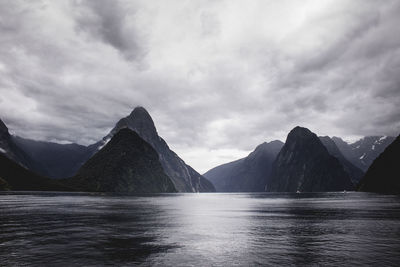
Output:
(112, 23)
(218, 77)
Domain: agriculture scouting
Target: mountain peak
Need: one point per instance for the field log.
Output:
(304, 164)
(300, 132)
(300, 136)
(139, 121)
(185, 179)
(140, 112)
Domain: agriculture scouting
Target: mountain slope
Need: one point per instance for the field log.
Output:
(12, 151)
(56, 160)
(185, 178)
(126, 164)
(249, 174)
(355, 173)
(304, 164)
(383, 176)
(364, 151)
(15, 177)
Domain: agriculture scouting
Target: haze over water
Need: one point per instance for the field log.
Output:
(199, 229)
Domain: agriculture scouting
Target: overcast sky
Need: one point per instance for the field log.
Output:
(218, 77)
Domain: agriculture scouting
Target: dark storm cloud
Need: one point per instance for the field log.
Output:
(218, 77)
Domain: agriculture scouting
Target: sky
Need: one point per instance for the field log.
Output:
(217, 77)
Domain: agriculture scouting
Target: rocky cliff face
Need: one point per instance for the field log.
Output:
(383, 176)
(249, 174)
(126, 164)
(185, 178)
(304, 164)
(355, 173)
(364, 151)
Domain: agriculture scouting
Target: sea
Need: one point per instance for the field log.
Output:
(199, 229)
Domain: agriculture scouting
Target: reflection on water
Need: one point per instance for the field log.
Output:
(199, 229)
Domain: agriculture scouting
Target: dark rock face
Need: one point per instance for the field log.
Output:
(15, 177)
(185, 178)
(363, 152)
(126, 164)
(383, 176)
(304, 164)
(355, 173)
(249, 174)
(56, 160)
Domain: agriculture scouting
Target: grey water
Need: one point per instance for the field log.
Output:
(77, 229)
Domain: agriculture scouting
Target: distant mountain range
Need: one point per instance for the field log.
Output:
(303, 164)
(132, 157)
(62, 161)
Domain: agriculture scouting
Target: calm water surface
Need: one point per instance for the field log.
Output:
(62, 229)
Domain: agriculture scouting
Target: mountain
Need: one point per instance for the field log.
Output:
(56, 160)
(44, 158)
(304, 164)
(15, 177)
(184, 177)
(383, 176)
(363, 152)
(355, 173)
(127, 164)
(12, 151)
(248, 174)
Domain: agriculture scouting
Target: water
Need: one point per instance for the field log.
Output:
(62, 229)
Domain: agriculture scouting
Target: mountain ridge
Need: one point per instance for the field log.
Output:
(364, 151)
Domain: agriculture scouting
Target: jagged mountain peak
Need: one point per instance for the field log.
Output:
(185, 178)
(140, 121)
